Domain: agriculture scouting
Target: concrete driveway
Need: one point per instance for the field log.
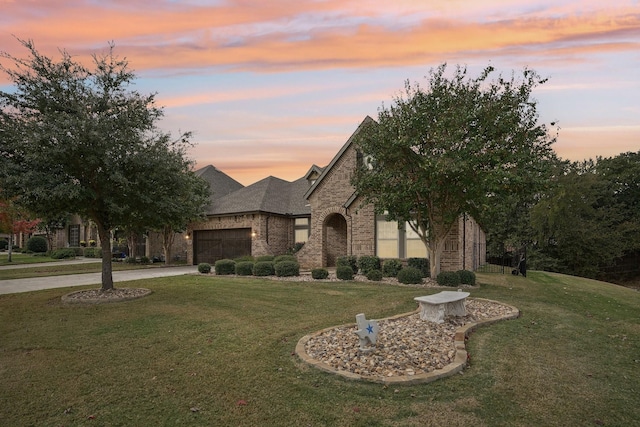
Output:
(38, 283)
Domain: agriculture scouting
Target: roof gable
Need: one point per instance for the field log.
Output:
(221, 184)
(337, 157)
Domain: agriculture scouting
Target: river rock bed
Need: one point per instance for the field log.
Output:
(406, 346)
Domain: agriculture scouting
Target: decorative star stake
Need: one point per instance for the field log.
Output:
(367, 331)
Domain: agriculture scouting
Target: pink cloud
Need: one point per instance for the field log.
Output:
(264, 36)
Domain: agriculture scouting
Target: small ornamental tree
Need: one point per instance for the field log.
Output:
(15, 220)
(457, 146)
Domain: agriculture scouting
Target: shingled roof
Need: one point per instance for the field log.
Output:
(221, 183)
(271, 194)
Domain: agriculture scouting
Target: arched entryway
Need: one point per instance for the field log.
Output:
(334, 239)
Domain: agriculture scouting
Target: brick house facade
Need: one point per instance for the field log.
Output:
(270, 216)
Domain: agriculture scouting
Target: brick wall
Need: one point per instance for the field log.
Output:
(273, 234)
(338, 230)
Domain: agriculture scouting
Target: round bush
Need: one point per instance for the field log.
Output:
(282, 258)
(287, 269)
(37, 244)
(344, 272)
(63, 253)
(410, 276)
(93, 253)
(264, 268)
(367, 263)
(448, 278)
(467, 277)
(244, 268)
(204, 268)
(319, 273)
(391, 267)
(144, 260)
(374, 275)
(130, 260)
(265, 258)
(225, 267)
(244, 258)
(421, 264)
(350, 261)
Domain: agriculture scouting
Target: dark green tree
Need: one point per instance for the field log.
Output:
(462, 145)
(80, 140)
(589, 218)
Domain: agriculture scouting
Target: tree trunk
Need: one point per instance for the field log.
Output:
(167, 243)
(107, 270)
(10, 247)
(132, 243)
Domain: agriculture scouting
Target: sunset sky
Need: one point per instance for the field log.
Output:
(272, 87)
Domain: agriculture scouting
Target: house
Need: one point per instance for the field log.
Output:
(323, 210)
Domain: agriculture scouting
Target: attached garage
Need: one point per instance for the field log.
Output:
(212, 245)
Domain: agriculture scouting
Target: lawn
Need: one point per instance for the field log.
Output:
(206, 350)
(53, 267)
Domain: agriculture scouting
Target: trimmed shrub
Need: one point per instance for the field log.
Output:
(410, 276)
(204, 268)
(421, 264)
(265, 258)
(130, 260)
(63, 253)
(374, 275)
(244, 258)
(264, 268)
(344, 272)
(93, 253)
(348, 260)
(282, 258)
(467, 277)
(144, 260)
(287, 269)
(448, 278)
(244, 268)
(391, 267)
(366, 263)
(319, 273)
(225, 267)
(37, 244)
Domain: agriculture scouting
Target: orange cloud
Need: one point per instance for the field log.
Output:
(266, 36)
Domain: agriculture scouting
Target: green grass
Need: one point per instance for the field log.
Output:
(62, 268)
(215, 343)
(20, 258)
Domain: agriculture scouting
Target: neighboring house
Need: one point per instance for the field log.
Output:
(321, 209)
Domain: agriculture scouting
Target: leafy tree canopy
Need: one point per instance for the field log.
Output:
(460, 145)
(80, 140)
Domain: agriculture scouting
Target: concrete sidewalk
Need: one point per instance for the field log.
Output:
(51, 282)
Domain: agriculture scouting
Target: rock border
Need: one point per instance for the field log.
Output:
(459, 363)
(97, 296)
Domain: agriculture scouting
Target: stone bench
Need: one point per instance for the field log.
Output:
(435, 307)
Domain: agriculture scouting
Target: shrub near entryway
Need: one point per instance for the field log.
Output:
(287, 269)
(244, 268)
(263, 268)
(225, 266)
(319, 273)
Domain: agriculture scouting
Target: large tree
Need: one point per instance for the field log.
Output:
(589, 218)
(462, 145)
(80, 140)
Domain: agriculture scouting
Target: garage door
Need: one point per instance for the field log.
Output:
(212, 245)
